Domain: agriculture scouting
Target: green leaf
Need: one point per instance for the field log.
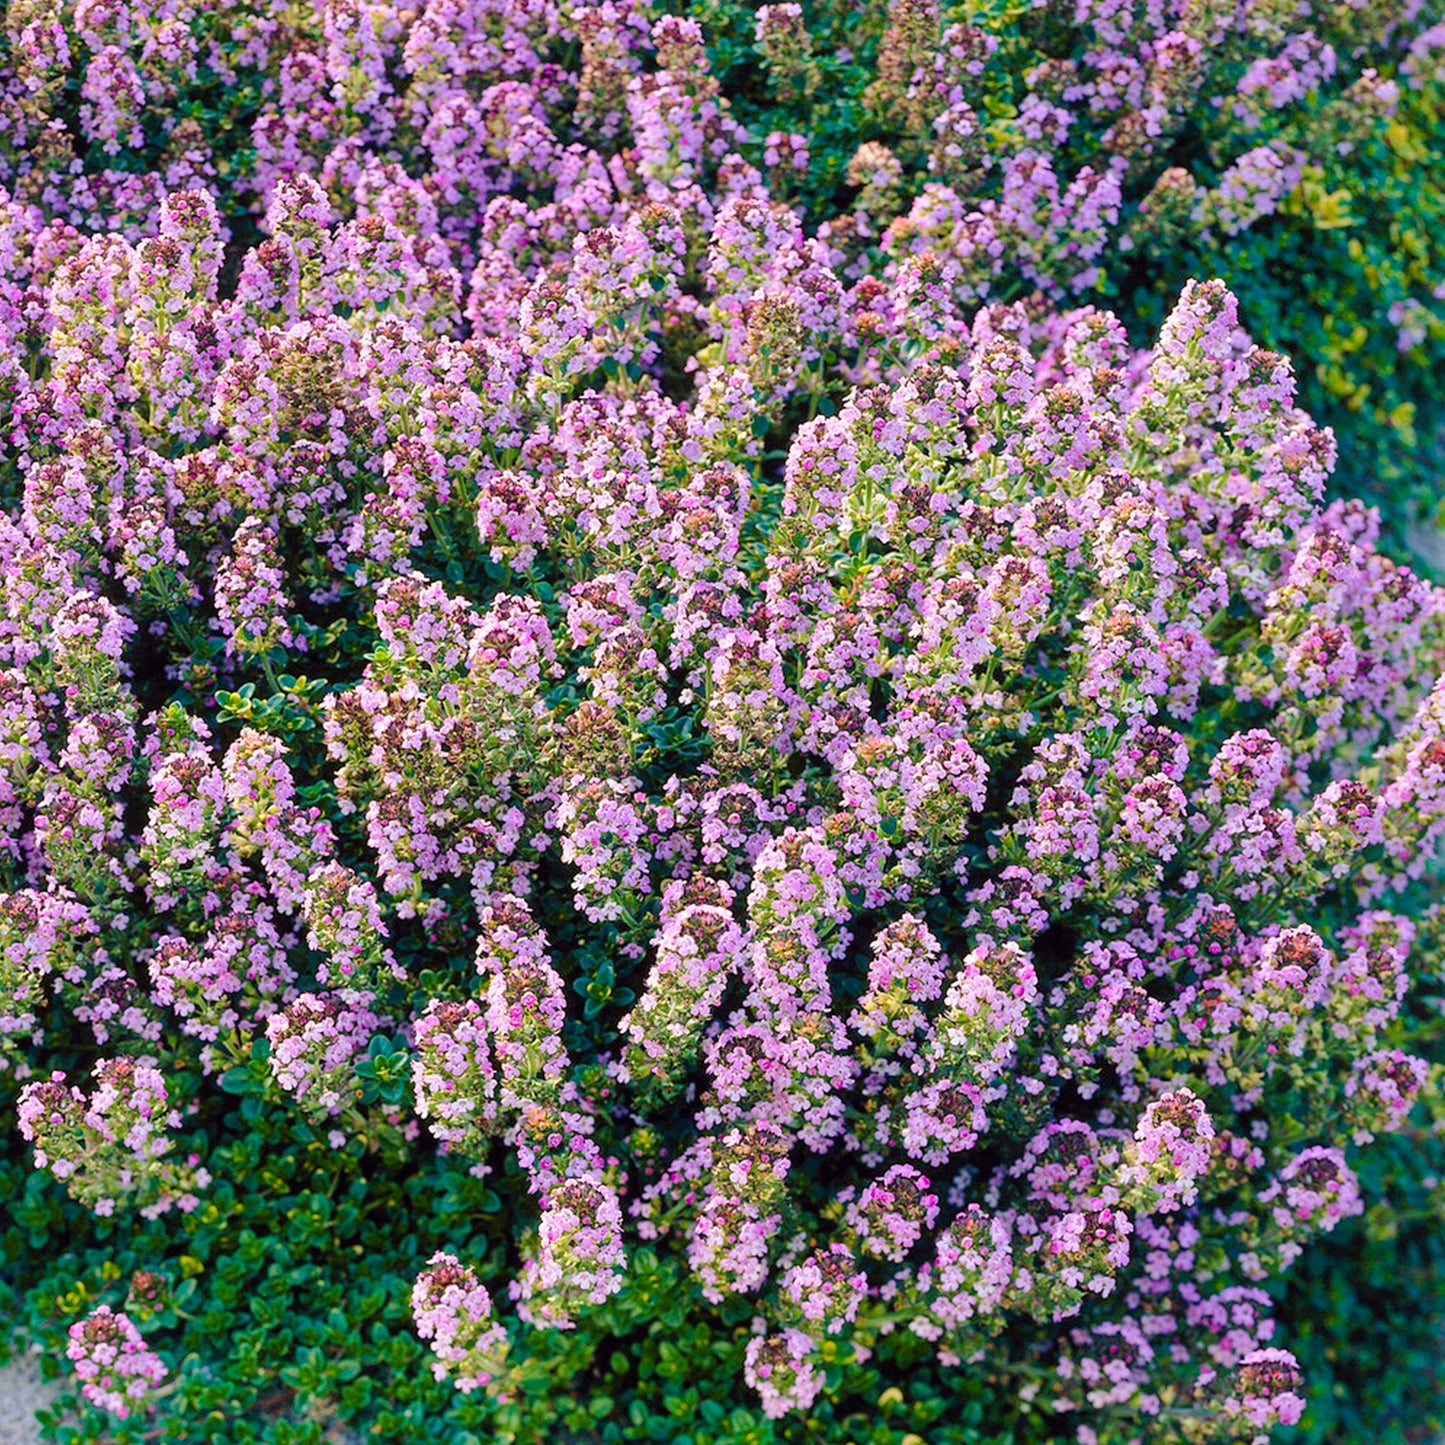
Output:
(238, 1080)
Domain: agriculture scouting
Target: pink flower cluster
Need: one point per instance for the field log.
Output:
(1100, 99)
(115, 1366)
(454, 1312)
(314, 1041)
(109, 1146)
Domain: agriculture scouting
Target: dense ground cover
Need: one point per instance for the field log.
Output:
(633, 813)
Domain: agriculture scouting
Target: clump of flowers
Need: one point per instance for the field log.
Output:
(116, 1368)
(454, 1312)
(1266, 1390)
(454, 1075)
(344, 923)
(315, 1042)
(780, 1368)
(109, 1145)
(579, 1255)
(1173, 1147)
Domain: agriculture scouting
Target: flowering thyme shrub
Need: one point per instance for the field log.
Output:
(733, 799)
